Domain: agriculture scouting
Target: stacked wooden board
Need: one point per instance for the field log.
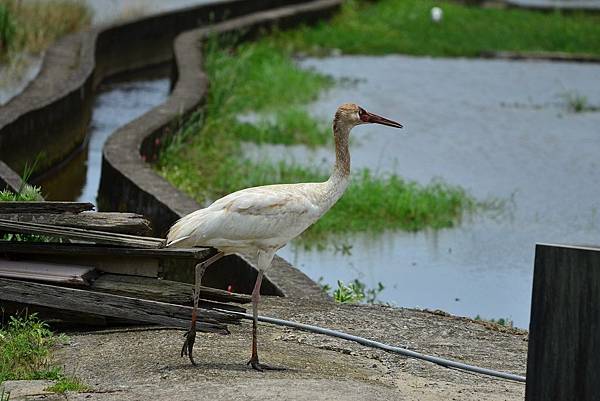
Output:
(66, 266)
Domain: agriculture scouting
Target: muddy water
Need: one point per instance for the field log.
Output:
(500, 129)
(117, 102)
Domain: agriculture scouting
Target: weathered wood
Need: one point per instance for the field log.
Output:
(161, 290)
(124, 223)
(45, 207)
(47, 272)
(563, 361)
(9, 179)
(96, 250)
(99, 237)
(103, 304)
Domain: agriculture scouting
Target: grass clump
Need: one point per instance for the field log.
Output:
(206, 159)
(25, 345)
(355, 292)
(66, 383)
(506, 322)
(577, 103)
(391, 26)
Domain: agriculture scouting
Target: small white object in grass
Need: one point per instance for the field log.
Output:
(436, 14)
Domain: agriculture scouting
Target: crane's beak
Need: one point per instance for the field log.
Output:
(374, 118)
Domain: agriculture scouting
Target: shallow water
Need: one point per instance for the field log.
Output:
(500, 129)
(116, 103)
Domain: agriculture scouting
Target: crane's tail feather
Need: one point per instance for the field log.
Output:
(182, 232)
(176, 241)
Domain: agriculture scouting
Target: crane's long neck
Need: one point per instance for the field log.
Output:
(340, 176)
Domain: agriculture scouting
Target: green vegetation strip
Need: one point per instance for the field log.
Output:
(206, 160)
(25, 354)
(392, 26)
(31, 26)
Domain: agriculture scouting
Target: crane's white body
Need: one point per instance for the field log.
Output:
(260, 218)
(255, 222)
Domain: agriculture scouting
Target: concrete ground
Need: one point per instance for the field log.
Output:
(145, 364)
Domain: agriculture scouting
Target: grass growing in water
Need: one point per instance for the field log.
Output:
(391, 26)
(206, 160)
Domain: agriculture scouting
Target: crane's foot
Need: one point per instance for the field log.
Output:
(261, 366)
(188, 344)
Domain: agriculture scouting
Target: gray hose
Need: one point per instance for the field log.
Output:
(376, 344)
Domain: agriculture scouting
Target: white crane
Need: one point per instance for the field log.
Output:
(255, 222)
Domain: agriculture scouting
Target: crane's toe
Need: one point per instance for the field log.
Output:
(261, 366)
(188, 344)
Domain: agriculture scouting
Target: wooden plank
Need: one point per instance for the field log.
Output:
(564, 332)
(125, 223)
(44, 207)
(99, 237)
(41, 248)
(47, 272)
(103, 304)
(161, 290)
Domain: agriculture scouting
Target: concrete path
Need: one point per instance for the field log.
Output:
(135, 365)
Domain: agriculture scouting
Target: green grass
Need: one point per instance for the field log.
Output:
(355, 292)
(29, 27)
(506, 322)
(286, 127)
(26, 345)
(206, 159)
(27, 193)
(66, 383)
(394, 26)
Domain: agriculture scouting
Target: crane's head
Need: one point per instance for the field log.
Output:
(350, 115)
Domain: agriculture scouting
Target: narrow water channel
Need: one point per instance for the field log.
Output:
(117, 102)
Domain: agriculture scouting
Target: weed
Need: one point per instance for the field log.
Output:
(25, 345)
(577, 103)
(7, 28)
(356, 291)
(25, 349)
(31, 26)
(506, 322)
(391, 26)
(66, 383)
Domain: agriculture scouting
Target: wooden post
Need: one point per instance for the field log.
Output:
(563, 362)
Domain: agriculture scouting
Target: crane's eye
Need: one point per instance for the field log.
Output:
(362, 114)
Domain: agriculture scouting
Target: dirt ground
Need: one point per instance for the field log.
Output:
(145, 364)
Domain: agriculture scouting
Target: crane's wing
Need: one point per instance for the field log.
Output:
(276, 211)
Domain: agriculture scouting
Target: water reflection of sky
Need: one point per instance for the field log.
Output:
(498, 128)
(116, 104)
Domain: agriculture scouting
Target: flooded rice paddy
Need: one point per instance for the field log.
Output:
(502, 130)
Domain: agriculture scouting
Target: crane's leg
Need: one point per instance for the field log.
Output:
(264, 261)
(190, 335)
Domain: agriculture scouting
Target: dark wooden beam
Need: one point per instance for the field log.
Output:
(45, 207)
(563, 362)
(161, 290)
(99, 237)
(124, 223)
(109, 305)
(41, 248)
